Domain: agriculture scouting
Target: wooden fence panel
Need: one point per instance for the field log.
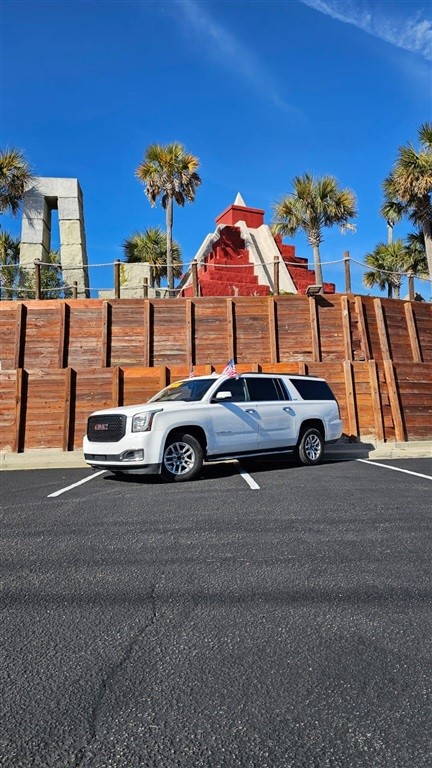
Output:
(293, 329)
(423, 322)
(397, 330)
(414, 385)
(86, 333)
(8, 381)
(140, 384)
(8, 322)
(211, 331)
(44, 409)
(42, 337)
(251, 328)
(330, 327)
(169, 332)
(127, 332)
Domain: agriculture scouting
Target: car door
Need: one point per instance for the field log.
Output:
(234, 420)
(275, 412)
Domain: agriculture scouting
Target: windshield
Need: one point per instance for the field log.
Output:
(190, 390)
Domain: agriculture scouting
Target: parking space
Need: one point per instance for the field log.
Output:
(218, 622)
(260, 474)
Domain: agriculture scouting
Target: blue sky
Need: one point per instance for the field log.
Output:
(259, 91)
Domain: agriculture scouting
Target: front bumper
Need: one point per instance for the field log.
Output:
(113, 464)
(135, 452)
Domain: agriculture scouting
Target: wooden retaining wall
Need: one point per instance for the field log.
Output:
(60, 360)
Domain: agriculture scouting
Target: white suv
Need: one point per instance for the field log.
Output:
(214, 418)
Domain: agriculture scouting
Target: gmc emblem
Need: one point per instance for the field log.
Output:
(101, 427)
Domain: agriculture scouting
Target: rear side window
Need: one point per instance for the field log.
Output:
(313, 390)
(263, 389)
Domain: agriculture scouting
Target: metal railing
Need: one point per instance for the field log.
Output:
(32, 285)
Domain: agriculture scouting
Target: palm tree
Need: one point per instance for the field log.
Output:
(313, 205)
(150, 247)
(388, 262)
(15, 176)
(408, 187)
(392, 213)
(9, 265)
(170, 172)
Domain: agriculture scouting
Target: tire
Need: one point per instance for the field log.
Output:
(182, 459)
(310, 449)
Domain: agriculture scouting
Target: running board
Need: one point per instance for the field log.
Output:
(249, 454)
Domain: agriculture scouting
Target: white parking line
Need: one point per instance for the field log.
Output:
(395, 469)
(74, 485)
(250, 481)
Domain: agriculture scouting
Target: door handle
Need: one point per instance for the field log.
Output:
(250, 410)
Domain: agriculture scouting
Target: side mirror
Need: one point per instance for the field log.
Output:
(223, 395)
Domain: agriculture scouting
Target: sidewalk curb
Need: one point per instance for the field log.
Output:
(52, 458)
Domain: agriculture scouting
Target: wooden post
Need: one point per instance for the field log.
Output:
(63, 335)
(362, 327)
(346, 327)
(148, 331)
(20, 336)
(105, 334)
(18, 442)
(75, 289)
(395, 406)
(37, 264)
(382, 332)
(115, 386)
(316, 349)
(411, 292)
(376, 400)
(276, 277)
(67, 409)
(145, 287)
(230, 328)
(347, 267)
(274, 356)
(194, 268)
(117, 279)
(189, 334)
(350, 399)
(412, 332)
(163, 376)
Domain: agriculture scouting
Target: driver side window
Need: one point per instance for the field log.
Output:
(237, 389)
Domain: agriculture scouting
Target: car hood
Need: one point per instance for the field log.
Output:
(130, 410)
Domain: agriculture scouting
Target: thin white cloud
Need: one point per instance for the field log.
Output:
(224, 47)
(412, 33)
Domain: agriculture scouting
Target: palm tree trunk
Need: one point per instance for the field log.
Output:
(389, 233)
(317, 265)
(427, 231)
(169, 223)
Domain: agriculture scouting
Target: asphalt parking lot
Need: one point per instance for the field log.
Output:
(267, 615)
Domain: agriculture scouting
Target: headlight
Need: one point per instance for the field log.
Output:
(142, 422)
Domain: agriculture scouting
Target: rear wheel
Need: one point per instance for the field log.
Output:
(182, 458)
(311, 446)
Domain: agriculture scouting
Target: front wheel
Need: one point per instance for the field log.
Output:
(311, 446)
(182, 458)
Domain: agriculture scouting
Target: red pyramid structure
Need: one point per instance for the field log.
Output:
(238, 259)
